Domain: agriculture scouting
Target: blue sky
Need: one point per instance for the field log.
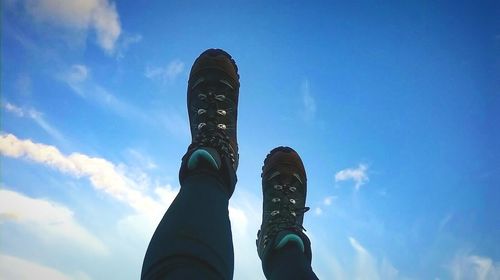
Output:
(394, 109)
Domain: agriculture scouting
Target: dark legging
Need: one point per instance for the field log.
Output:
(193, 240)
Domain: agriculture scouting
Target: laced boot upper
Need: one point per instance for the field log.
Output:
(212, 101)
(284, 187)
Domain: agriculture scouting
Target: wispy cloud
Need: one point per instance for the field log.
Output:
(100, 16)
(445, 221)
(16, 268)
(308, 101)
(245, 220)
(367, 267)
(75, 77)
(103, 175)
(165, 74)
(37, 117)
(466, 266)
(140, 159)
(109, 178)
(125, 42)
(358, 175)
(328, 200)
(16, 110)
(48, 220)
(79, 78)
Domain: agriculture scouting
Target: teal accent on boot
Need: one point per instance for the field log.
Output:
(201, 156)
(290, 238)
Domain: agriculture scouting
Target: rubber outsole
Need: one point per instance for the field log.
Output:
(272, 152)
(217, 52)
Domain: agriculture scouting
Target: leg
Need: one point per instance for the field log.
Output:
(193, 240)
(194, 236)
(289, 262)
(282, 245)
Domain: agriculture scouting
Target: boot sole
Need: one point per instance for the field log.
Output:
(210, 59)
(274, 151)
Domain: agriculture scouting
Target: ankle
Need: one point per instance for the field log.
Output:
(206, 161)
(290, 239)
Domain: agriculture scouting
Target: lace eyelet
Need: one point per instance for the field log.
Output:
(201, 125)
(221, 112)
(292, 189)
(201, 111)
(202, 96)
(278, 187)
(293, 214)
(275, 212)
(221, 126)
(220, 97)
(276, 199)
(292, 200)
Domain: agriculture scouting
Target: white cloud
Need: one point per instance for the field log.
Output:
(245, 215)
(238, 218)
(37, 117)
(139, 159)
(78, 77)
(245, 220)
(20, 269)
(358, 175)
(77, 74)
(388, 271)
(328, 200)
(125, 43)
(80, 80)
(136, 229)
(103, 175)
(165, 74)
(80, 15)
(325, 263)
(465, 266)
(47, 220)
(13, 109)
(166, 194)
(366, 266)
(308, 102)
(331, 263)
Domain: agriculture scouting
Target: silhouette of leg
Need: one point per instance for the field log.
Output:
(193, 240)
(282, 245)
(289, 263)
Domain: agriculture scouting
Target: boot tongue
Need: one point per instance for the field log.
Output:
(204, 157)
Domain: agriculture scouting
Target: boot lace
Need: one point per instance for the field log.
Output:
(286, 215)
(211, 126)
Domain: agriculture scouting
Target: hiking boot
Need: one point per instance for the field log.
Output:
(212, 102)
(284, 187)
